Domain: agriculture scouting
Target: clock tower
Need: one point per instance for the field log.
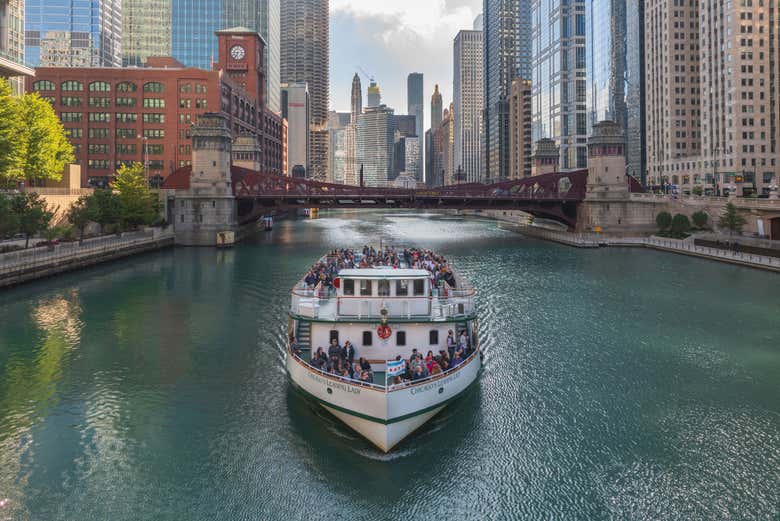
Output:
(241, 57)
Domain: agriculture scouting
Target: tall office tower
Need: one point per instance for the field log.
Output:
(611, 50)
(356, 98)
(405, 125)
(375, 145)
(559, 84)
(468, 102)
(405, 132)
(436, 108)
(430, 176)
(304, 58)
(296, 108)
(338, 124)
(12, 44)
(673, 95)
(73, 33)
(636, 159)
(374, 97)
(520, 129)
(270, 30)
(415, 106)
(447, 137)
(506, 53)
(146, 30)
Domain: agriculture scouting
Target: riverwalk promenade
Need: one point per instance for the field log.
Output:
(594, 240)
(33, 263)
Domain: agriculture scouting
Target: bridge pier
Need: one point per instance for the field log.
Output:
(208, 208)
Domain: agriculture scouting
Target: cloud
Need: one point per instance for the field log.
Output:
(390, 40)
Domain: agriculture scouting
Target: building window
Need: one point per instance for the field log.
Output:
(154, 118)
(185, 103)
(126, 86)
(154, 103)
(98, 164)
(365, 288)
(126, 133)
(74, 133)
(43, 85)
(154, 149)
(99, 86)
(156, 164)
(383, 288)
(126, 117)
(401, 288)
(99, 102)
(72, 86)
(70, 117)
(185, 88)
(97, 148)
(154, 133)
(433, 337)
(153, 86)
(98, 133)
(419, 287)
(100, 117)
(349, 287)
(126, 102)
(126, 148)
(70, 101)
(368, 338)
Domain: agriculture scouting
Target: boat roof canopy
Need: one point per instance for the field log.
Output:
(382, 273)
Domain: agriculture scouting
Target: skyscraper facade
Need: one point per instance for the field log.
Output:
(468, 103)
(146, 30)
(436, 107)
(338, 123)
(304, 57)
(559, 84)
(507, 55)
(415, 106)
(375, 145)
(374, 95)
(12, 44)
(296, 106)
(350, 134)
(73, 33)
(614, 73)
(356, 97)
(520, 144)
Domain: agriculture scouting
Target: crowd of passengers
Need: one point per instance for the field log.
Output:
(325, 271)
(339, 360)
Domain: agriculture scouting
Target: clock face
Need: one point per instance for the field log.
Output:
(237, 52)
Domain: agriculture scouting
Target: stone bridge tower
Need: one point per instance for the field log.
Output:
(208, 208)
(545, 157)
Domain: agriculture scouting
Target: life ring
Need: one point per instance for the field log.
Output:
(384, 332)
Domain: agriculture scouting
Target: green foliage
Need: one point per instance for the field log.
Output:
(9, 222)
(731, 220)
(680, 225)
(700, 219)
(48, 149)
(138, 204)
(82, 212)
(12, 138)
(697, 190)
(32, 213)
(663, 220)
(107, 208)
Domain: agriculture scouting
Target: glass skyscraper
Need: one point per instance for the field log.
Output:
(146, 30)
(194, 22)
(415, 106)
(559, 82)
(73, 33)
(507, 55)
(614, 72)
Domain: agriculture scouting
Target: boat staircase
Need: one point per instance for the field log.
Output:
(303, 335)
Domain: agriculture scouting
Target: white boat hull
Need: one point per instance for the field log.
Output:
(384, 417)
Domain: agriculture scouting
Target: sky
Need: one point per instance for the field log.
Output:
(391, 38)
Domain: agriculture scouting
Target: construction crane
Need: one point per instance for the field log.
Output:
(367, 75)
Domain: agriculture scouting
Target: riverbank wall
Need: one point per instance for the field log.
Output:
(34, 263)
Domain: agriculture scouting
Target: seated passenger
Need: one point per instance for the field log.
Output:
(457, 360)
(436, 369)
(418, 374)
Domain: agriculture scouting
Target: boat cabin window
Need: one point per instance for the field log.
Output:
(401, 288)
(383, 288)
(365, 288)
(349, 287)
(400, 338)
(367, 338)
(433, 337)
(419, 287)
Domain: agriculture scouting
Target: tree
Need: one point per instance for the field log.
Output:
(697, 190)
(48, 149)
(12, 138)
(137, 203)
(680, 225)
(663, 220)
(731, 220)
(82, 212)
(107, 208)
(700, 219)
(9, 223)
(32, 213)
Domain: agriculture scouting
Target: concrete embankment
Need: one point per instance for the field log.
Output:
(35, 263)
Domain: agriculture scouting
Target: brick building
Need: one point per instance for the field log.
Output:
(118, 116)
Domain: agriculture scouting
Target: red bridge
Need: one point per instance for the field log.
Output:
(553, 196)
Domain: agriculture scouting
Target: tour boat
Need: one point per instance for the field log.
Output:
(385, 313)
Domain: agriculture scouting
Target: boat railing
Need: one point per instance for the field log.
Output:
(414, 383)
(335, 377)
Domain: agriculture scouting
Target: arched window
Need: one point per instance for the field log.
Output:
(153, 86)
(126, 86)
(43, 85)
(99, 86)
(72, 85)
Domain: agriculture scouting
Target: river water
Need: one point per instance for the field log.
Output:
(618, 383)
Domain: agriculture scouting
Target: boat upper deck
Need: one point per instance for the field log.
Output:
(401, 285)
